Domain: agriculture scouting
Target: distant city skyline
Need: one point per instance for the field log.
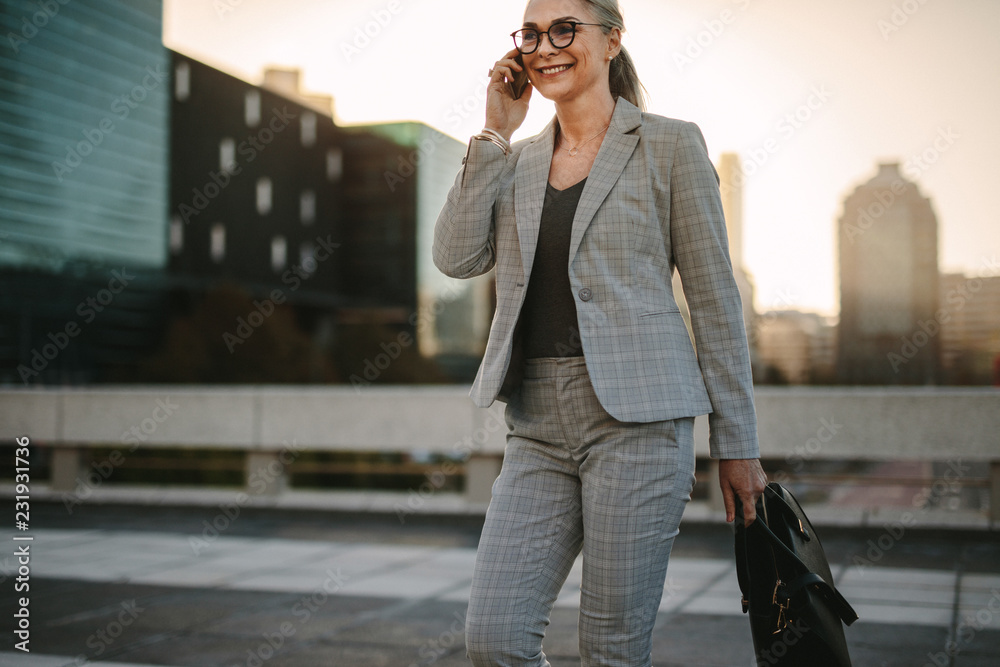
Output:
(889, 281)
(813, 97)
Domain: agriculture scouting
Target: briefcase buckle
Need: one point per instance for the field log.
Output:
(782, 606)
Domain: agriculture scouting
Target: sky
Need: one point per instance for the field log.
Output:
(812, 95)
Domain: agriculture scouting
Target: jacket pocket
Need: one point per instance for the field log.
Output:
(664, 311)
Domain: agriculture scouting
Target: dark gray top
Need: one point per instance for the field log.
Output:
(549, 327)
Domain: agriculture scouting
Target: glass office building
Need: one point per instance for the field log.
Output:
(150, 203)
(84, 128)
(84, 159)
(453, 316)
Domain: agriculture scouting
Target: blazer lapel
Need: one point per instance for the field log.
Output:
(529, 192)
(616, 149)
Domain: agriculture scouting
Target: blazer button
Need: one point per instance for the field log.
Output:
(586, 294)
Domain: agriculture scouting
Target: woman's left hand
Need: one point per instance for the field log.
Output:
(743, 478)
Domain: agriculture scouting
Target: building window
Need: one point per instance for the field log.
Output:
(182, 81)
(176, 235)
(264, 195)
(334, 164)
(307, 257)
(227, 154)
(307, 207)
(279, 253)
(218, 242)
(308, 124)
(251, 108)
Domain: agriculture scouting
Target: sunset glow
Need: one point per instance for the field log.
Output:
(812, 96)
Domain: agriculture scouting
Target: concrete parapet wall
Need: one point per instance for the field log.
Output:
(875, 423)
(429, 418)
(795, 424)
(834, 423)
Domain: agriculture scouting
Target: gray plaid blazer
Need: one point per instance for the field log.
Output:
(650, 204)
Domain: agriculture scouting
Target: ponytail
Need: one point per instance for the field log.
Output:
(625, 82)
(623, 77)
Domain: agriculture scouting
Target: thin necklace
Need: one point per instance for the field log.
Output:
(576, 149)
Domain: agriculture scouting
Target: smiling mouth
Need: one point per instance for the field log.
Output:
(554, 70)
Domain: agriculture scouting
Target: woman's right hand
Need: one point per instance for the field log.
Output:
(504, 114)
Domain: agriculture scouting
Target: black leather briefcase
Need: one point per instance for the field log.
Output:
(796, 613)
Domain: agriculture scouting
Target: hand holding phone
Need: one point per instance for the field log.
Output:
(508, 94)
(520, 81)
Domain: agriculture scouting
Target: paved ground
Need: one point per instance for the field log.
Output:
(145, 585)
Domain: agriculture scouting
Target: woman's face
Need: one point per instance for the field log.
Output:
(581, 68)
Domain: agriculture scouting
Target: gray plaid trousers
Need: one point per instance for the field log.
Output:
(576, 479)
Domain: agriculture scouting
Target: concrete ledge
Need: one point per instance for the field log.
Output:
(816, 422)
(796, 424)
(438, 419)
(920, 423)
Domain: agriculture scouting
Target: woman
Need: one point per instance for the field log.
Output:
(585, 224)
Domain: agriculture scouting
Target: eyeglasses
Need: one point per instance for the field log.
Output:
(560, 34)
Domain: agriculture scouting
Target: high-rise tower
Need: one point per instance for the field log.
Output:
(888, 332)
(731, 190)
(731, 179)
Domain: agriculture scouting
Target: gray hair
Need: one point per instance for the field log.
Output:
(623, 77)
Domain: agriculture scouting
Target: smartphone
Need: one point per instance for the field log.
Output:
(520, 81)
